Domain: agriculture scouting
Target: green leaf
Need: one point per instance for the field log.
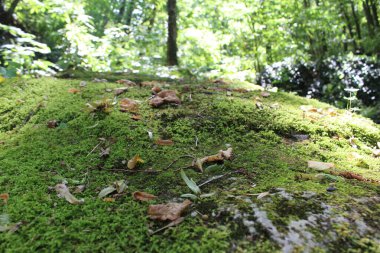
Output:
(190, 183)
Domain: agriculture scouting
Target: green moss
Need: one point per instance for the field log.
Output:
(34, 157)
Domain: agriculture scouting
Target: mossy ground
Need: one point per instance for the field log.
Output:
(34, 157)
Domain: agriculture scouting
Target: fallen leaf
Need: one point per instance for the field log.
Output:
(221, 156)
(143, 196)
(106, 191)
(128, 105)
(97, 80)
(190, 183)
(351, 175)
(156, 89)
(79, 189)
(262, 195)
(134, 162)
(164, 142)
(353, 142)
(63, 191)
(320, 165)
(265, 94)
(120, 185)
(126, 82)
(220, 81)
(109, 199)
(52, 123)
(136, 117)
(165, 97)
(83, 84)
(104, 152)
(170, 211)
(259, 105)
(73, 91)
(4, 197)
(119, 91)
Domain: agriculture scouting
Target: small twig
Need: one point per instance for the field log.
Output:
(134, 171)
(196, 141)
(93, 149)
(184, 168)
(217, 177)
(176, 160)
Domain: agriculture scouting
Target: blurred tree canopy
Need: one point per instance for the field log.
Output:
(317, 48)
(213, 38)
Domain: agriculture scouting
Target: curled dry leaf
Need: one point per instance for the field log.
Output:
(170, 211)
(156, 89)
(221, 156)
(126, 82)
(118, 186)
(143, 196)
(320, 165)
(73, 90)
(164, 142)
(128, 105)
(64, 192)
(4, 197)
(165, 97)
(134, 162)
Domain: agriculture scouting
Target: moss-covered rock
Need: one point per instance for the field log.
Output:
(272, 140)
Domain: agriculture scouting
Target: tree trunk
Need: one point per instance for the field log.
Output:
(356, 20)
(121, 11)
(369, 18)
(172, 59)
(374, 12)
(130, 8)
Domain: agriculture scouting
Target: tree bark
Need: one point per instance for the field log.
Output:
(374, 12)
(130, 8)
(356, 20)
(370, 22)
(172, 59)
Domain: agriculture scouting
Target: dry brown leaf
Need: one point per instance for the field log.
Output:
(143, 196)
(126, 82)
(221, 156)
(73, 91)
(351, 175)
(128, 105)
(170, 211)
(320, 165)
(165, 97)
(63, 191)
(52, 123)
(156, 89)
(119, 91)
(109, 199)
(134, 162)
(4, 197)
(136, 117)
(164, 142)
